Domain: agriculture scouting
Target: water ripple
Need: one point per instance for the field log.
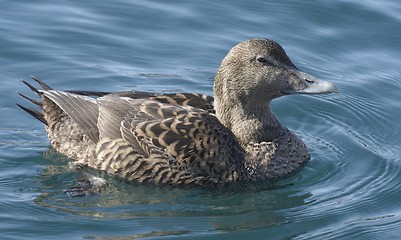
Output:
(349, 190)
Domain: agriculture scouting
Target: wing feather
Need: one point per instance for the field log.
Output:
(172, 138)
(81, 109)
(195, 139)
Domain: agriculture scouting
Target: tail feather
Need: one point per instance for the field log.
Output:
(34, 89)
(41, 83)
(34, 101)
(36, 114)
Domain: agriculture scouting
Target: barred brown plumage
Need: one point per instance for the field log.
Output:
(187, 138)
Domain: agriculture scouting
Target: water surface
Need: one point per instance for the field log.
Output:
(350, 189)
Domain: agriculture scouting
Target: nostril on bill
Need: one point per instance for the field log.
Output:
(309, 81)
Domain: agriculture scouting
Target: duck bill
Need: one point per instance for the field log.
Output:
(313, 85)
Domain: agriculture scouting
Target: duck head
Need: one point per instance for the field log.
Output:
(259, 69)
(255, 72)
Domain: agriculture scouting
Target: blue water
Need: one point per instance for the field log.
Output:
(350, 189)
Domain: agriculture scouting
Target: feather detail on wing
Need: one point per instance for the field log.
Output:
(190, 141)
(193, 140)
(200, 101)
(145, 137)
(82, 110)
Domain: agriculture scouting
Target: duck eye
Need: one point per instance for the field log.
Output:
(261, 59)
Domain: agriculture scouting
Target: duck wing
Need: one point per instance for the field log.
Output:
(190, 143)
(172, 138)
(84, 109)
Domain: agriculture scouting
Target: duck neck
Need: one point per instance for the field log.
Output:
(250, 123)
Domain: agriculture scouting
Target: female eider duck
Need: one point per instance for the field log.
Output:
(187, 138)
